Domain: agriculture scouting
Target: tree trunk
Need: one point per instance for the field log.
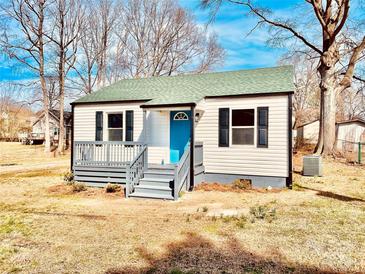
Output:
(327, 133)
(61, 146)
(61, 76)
(47, 144)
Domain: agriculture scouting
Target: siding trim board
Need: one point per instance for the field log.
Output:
(72, 138)
(289, 181)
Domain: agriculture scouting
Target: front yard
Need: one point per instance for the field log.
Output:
(45, 227)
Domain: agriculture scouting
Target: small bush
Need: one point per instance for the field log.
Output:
(112, 188)
(239, 220)
(263, 213)
(78, 187)
(68, 176)
(205, 209)
(242, 184)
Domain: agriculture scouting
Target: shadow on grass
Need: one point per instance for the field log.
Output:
(196, 254)
(329, 194)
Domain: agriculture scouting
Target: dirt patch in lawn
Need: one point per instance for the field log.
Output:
(91, 192)
(232, 188)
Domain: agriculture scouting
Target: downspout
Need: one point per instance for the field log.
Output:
(289, 180)
(192, 148)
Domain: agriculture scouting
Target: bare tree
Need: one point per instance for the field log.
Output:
(95, 44)
(306, 82)
(27, 46)
(67, 16)
(332, 17)
(161, 38)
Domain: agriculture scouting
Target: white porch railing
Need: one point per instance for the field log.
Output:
(105, 153)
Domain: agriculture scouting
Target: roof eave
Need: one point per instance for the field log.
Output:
(251, 94)
(109, 102)
(169, 105)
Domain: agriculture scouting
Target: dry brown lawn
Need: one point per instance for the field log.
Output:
(45, 227)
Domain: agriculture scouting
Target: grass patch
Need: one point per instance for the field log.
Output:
(14, 225)
(262, 212)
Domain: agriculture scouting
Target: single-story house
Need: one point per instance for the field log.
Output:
(159, 135)
(307, 133)
(39, 126)
(349, 134)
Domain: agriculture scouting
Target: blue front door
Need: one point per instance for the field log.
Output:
(179, 133)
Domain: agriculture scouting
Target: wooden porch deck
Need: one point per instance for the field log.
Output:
(98, 163)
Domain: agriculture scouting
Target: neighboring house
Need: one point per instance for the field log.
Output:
(349, 134)
(308, 133)
(39, 126)
(162, 134)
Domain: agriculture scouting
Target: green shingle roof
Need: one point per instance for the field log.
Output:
(191, 88)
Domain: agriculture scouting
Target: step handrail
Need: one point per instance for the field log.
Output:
(182, 171)
(135, 169)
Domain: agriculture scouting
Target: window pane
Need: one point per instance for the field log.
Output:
(242, 136)
(262, 137)
(243, 117)
(262, 117)
(115, 120)
(115, 134)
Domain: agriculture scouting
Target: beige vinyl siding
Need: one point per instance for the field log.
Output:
(245, 159)
(84, 120)
(157, 129)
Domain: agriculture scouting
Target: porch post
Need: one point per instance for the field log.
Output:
(144, 128)
(192, 147)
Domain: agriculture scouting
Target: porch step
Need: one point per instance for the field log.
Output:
(151, 196)
(163, 182)
(163, 174)
(161, 167)
(153, 190)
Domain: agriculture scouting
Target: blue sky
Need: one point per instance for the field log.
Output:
(231, 26)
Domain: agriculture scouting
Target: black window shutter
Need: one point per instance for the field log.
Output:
(223, 139)
(129, 125)
(263, 127)
(99, 126)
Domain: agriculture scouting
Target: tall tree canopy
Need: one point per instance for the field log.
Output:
(337, 47)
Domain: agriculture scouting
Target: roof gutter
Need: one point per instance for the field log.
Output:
(169, 105)
(252, 94)
(109, 102)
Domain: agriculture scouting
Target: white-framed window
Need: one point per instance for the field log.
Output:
(243, 126)
(115, 126)
(181, 116)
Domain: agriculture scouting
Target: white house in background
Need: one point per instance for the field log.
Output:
(160, 134)
(349, 134)
(39, 127)
(308, 132)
